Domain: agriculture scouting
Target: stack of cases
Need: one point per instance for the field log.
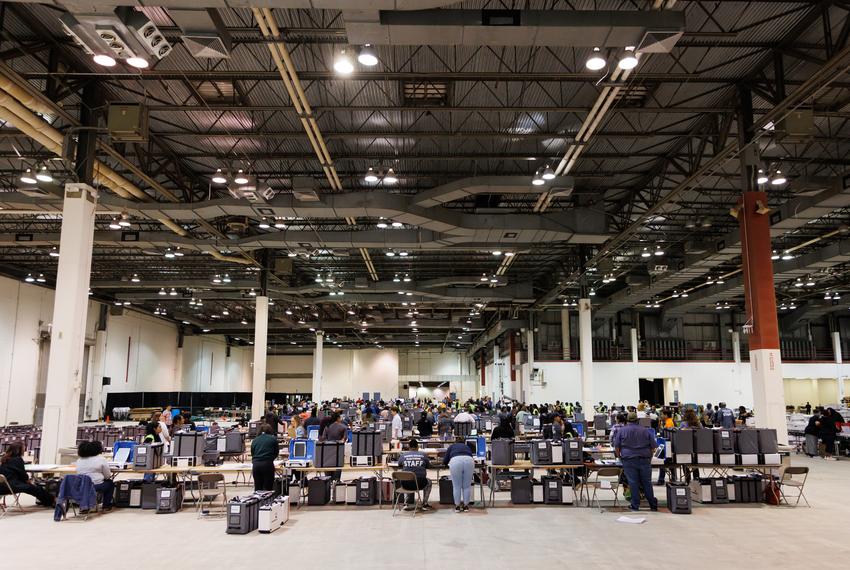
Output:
(747, 447)
(710, 490)
(541, 452)
(683, 446)
(678, 498)
(329, 454)
(243, 513)
(187, 448)
(231, 442)
(573, 452)
(446, 491)
(724, 447)
(169, 499)
(148, 456)
(128, 493)
(768, 447)
(746, 489)
(149, 493)
(366, 444)
(502, 452)
(522, 490)
(366, 491)
(463, 429)
(704, 446)
(555, 492)
(273, 515)
(319, 491)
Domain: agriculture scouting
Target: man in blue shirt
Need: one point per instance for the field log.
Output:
(416, 462)
(724, 417)
(634, 446)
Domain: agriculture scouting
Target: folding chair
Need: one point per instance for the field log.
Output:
(210, 486)
(606, 479)
(788, 480)
(399, 478)
(7, 491)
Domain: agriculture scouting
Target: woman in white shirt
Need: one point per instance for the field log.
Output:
(93, 464)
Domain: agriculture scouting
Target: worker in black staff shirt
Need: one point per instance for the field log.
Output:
(634, 445)
(335, 431)
(416, 462)
(264, 450)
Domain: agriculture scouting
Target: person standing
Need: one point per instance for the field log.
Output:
(461, 467)
(396, 424)
(811, 435)
(827, 431)
(724, 417)
(634, 445)
(264, 450)
(167, 416)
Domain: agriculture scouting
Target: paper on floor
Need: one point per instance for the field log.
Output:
(631, 520)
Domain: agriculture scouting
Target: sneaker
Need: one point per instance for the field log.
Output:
(107, 509)
(654, 509)
(427, 508)
(465, 507)
(634, 510)
(457, 509)
(408, 507)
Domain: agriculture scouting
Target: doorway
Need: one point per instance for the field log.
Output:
(651, 390)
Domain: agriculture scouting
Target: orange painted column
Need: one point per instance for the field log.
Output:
(762, 324)
(483, 364)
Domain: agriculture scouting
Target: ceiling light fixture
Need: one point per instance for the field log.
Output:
(778, 179)
(787, 256)
(240, 177)
(390, 177)
(645, 252)
(629, 59)
(29, 278)
(28, 177)
(44, 175)
(218, 177)
(548, 173)
(368, 56)
(390, 254)
(370, 176)
(135, 278)
(595, 62)
(762, 177)
(138, 62)
(343, 64)
(104, 60)
(54, 252)
(538, 179)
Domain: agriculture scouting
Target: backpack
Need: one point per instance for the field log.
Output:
(772, 495)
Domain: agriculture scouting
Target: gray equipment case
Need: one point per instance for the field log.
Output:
(502, 452)
(329, 454)
(148, 456)
(169, 499)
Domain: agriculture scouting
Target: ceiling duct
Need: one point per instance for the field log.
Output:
(660, 29)
(204, 33)
(304, 189)
(251, 191)
(659, 41)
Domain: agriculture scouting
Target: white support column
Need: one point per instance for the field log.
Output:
(585, 344)
(633, 342)
(498, 373)
(94, 402)
(736, 347)
(317, 366)
(261, 339)
(836, 347)
(67, 341)
(565, 333)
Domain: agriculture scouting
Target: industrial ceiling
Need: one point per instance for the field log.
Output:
(411, 172)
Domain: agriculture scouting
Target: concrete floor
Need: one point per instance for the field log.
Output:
(759, 536)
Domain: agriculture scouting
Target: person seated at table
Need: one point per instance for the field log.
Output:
(416, 462)
(336, 430)
(444, 426)
(690, 419)
(264, 450)
(296, 430)
(461, 467)
(504, 430)
(91, 462)
(214, 428)
(424, 426)
(12, 467)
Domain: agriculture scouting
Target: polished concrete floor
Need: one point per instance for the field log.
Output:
(757, 536)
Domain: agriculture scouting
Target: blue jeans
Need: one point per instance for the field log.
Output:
(461, 468)
(638, 472)
(107, 489)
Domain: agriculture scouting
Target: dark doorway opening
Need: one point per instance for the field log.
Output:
(652, 390)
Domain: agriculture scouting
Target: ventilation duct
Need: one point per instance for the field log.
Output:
(304, 189)
(657, 29)
(204, 33)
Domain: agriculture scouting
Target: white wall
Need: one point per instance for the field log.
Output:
(435, 366)
(352, 372)
(141, 354)
(298, 369)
